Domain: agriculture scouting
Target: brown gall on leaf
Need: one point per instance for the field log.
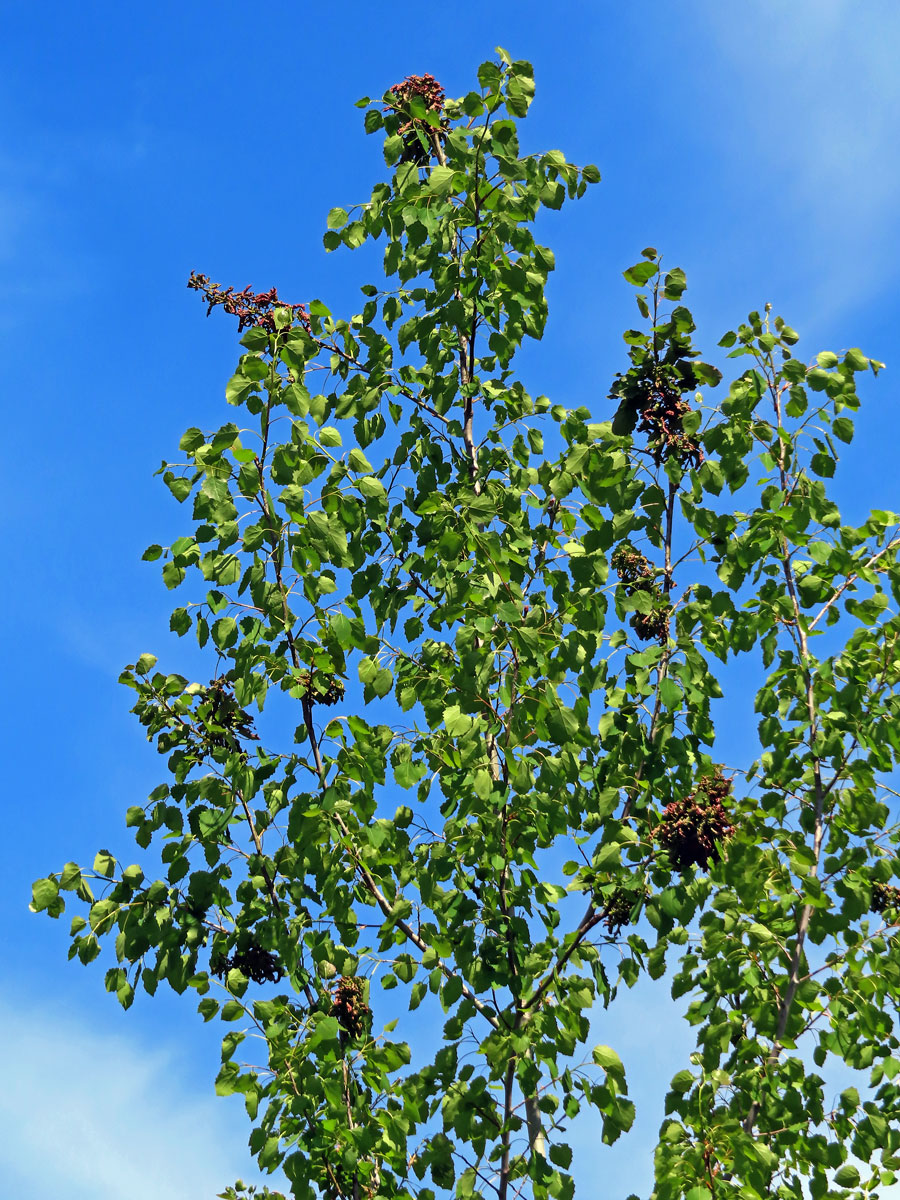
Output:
(637, 575)
(349, 1007)
(262, 966)
(429, 91)
(884, 897)
(619, 905)
(320, 688)
(224, 719)
(661, 418)
(694, 828)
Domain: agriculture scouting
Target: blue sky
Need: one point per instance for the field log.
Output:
(755, 144)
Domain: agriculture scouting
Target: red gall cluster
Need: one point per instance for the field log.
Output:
(349, 1007)
(252, 309)
(693, 829)
(260, 965)
(661, 418)
(637, 575)
(884, 896)
(427, 88)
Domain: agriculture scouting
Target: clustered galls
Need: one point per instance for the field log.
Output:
(251, 308)
(651, 394)
(319, 688)
(224, 719)
(661, 416)
(693, 829)
(637, 575)
(618, 907)
(349, 1007)
(418, 149)
(884, 896)
(262, 966)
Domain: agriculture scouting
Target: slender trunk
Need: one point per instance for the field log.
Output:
(466, 343)
(506, 1137)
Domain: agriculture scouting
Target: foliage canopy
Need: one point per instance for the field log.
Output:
(516, 614)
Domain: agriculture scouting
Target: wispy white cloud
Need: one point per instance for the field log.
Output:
(817, 91)
(91, 1115)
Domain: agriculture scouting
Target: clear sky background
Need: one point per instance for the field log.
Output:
(754, 143)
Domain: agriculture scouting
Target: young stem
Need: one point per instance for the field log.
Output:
(802, 929)
(663, 669)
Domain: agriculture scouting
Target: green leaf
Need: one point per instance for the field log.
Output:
(173, 575)
(44, 893)
(682, 1082)
(456, 722)
(354, 235)
(105, 863)
(371, 488)
(561, 1155)
(337, 218)
(670, 693)
(606, 1057)
(178, 486)
(191, 440)
(70, 879)
(451, 991)
(640, 273)
(180, 621)
(697, 1193)
(383, 682)
(441, 180)
(552, 195)
(843, 429)
(225, 633)
(848, 1176)
(207, 1008)
(674, 285)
